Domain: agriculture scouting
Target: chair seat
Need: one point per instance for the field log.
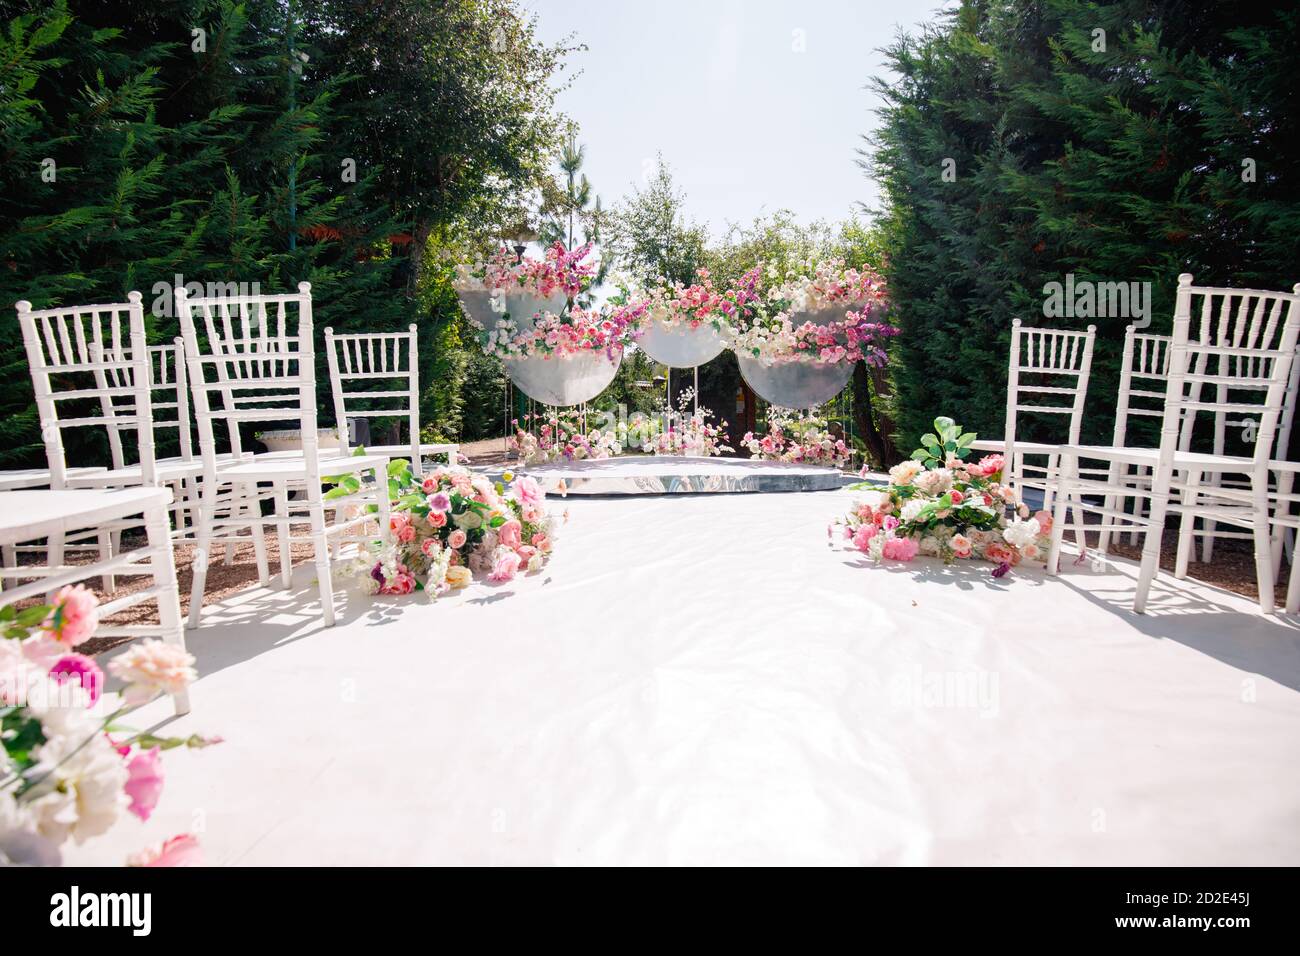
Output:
(38, 477)
(171, 469)
(404, 451)
(268, 469)
(1183, 460)
(1022, 447)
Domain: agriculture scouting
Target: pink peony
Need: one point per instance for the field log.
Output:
(144, 782)
(181, 850)
(527, 491)
(150, 667)
(74, 617)
(457, 540)
(510, 534)
(505, 568)
(80, 670)
(900, 549)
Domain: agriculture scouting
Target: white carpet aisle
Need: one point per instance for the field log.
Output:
(703, 680)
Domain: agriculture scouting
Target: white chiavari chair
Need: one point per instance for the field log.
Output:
(1245, 363)
(376, 375)
(255, 356)
(88, 370)
(1047, 375)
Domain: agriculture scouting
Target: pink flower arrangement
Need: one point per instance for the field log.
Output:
(67, 771)
(559, 270)
(947, 508)
(800, 440)
(560, 435)
(458, 520)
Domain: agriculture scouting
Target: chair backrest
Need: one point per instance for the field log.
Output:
(92, 352)
(1048, 374)
(1218, 316)
(170, 384)
(251, 359)
(375, 375)
(1143, 380)
(1240, 352)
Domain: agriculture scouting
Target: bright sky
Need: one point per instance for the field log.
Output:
(756, 105)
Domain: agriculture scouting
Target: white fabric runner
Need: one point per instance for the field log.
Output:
(704, 680)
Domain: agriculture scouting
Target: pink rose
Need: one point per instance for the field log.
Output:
(144, 782)
(430, 547)
(429, 485)
(457, 540)
(178, 851)
(74, 617)
(1044, 522)
(510, 534)
(437, 519)
(505, 568)
(541, 542)
(80, 670)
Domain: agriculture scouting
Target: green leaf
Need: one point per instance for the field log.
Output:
(398, 466)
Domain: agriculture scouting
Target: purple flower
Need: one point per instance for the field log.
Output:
(378, 574)
(1002, 570)
(440, 501)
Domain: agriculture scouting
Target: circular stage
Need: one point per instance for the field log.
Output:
(666, 474)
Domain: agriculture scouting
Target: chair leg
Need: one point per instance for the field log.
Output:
(321, 549)
(106, 551)
(163, 567)
(1152, 539)
(1064, 474)
(1208, 527)
(1293, 588)
(1264, 551)
(54, 554)
(1187, 526)
(253, 510)
(1110, 503)
(202, 552)
(283, 533)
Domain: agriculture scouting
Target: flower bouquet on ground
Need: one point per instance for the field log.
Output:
(69, 767)
(940, 505)
(687, 433)
(793, 438)
(453, 524)
(560, 436)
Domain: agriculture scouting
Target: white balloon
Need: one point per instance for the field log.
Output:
(795, 384)
(563, 380)
(680, 346)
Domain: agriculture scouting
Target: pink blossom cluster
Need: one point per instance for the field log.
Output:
(805, 444)
(560, 270)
